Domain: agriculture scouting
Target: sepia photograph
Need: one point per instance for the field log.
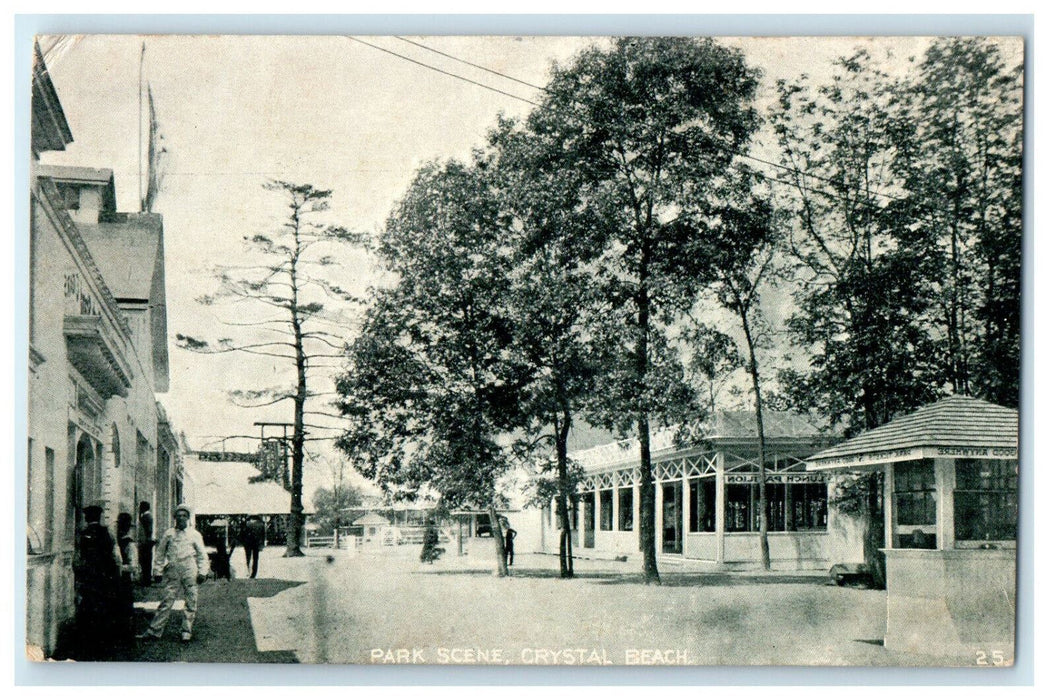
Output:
(524, 350)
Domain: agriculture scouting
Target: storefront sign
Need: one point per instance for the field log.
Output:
(251, 457)
(797, 478)
(908, 454)
(974, 452)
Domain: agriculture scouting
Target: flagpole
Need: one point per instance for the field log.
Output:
(142, 51)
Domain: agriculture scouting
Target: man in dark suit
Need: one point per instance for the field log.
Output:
(145, 543)
(252, 541)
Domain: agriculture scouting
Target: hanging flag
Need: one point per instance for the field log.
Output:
(155, 151)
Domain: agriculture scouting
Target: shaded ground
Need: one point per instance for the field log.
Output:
(368, 607)
(386, 606)
(222, 632)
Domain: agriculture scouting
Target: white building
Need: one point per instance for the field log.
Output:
(707, 509)
(98, 353)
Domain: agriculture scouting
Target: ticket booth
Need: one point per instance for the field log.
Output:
(950, 524)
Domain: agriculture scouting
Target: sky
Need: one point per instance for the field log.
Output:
(236, 111)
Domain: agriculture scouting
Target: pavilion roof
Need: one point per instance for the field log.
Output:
(722, 427)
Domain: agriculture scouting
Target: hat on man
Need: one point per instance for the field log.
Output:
(93, 513)
(184, 507)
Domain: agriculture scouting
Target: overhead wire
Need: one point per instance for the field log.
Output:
(441, 70)
(791, 169)
(728, 149)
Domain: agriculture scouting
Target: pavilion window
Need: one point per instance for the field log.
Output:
(985, 500)
(702, 504)
(915, 504)
(740, 504)
(807, 506)
(606, 510)
(625, 498)
(775, 509)
(588, 518)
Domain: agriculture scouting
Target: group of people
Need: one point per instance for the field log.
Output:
(252, 535)
(106, 571)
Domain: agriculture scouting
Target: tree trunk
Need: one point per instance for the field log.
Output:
(647, 510)
(293, 532)
(753, 366)
(564, 424)
(500, 542)
(874, 530)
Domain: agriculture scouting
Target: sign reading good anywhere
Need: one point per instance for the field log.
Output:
(908, 454)
(251, 457)
(776, 478)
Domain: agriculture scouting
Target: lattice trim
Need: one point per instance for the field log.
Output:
(669, 471)
(700, 465)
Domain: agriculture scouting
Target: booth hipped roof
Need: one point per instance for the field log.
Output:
(955, 422)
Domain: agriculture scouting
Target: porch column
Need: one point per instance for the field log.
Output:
(658, 518)
(945, 476)
(685, 506)
(720, 507)
(577, 503)
(889, 506)
(597, 514)
(636, 503)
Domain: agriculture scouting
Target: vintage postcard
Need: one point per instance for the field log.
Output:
(497, 350)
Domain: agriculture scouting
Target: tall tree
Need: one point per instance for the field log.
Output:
(331, 504)
(962, 125)
(863, 280)
(552, 298)
(652, 125)
(746, 253)
(286, 278)
(864, 277)
(431, 384)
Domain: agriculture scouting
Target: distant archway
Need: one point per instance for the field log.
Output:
(86, 478)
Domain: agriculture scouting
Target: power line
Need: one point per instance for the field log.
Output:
(728, 149)
(795, 171)
(470, 63)
(441, 70)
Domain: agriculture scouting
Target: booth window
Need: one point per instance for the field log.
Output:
(606, 510)
(914, 495)
(626, 508)
(702, 505)
(985, 500)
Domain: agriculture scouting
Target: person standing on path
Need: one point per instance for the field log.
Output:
(511, 534)
(145, 541)
(125, 608)
(252, 541)
(183, 563)
(96, 573)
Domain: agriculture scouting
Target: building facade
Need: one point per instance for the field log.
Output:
(707, 507)
(98, 354)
